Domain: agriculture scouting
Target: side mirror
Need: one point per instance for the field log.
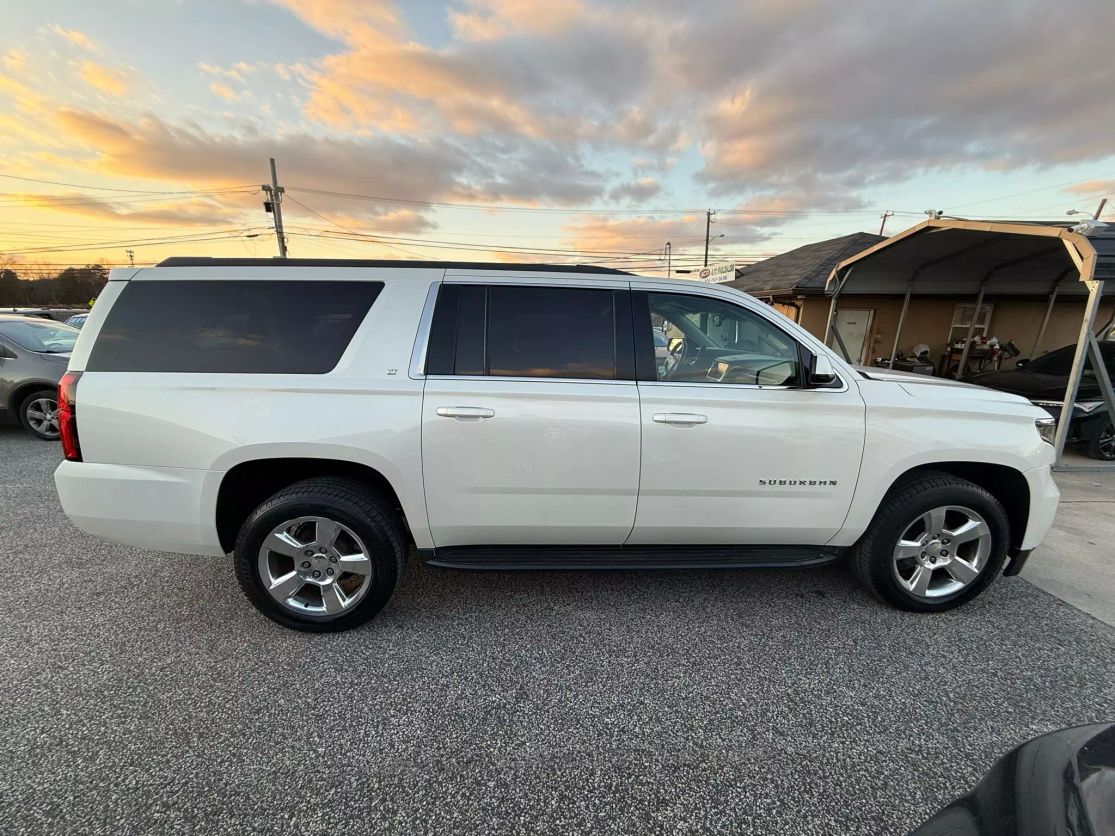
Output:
(1022, 362)
(823, 372)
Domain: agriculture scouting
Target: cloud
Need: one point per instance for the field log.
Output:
(850, 96)
(72, 36)
(1093, 187)
(14, 60)
(635, 234)
(224, 91)
(110, 80)
(429, 170)
(177, 212)
(635, 190)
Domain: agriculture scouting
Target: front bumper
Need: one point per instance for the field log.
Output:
(159, 508)
(1044, 496)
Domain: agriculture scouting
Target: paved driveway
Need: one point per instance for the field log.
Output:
(142, 694)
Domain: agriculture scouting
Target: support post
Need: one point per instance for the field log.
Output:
(1048, 313)
(840, 344)
(1095, 293)
(1103, 377)
(840, 282)
(901, 320)
(971, 331)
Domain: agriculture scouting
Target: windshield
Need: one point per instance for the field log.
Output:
(38, 335)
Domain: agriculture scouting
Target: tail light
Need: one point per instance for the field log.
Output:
(67, 415)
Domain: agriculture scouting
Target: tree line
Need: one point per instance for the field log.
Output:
(74, 286)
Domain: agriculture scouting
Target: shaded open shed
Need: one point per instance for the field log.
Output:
(978, 258)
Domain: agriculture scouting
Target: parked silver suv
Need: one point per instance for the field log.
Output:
(33, 357)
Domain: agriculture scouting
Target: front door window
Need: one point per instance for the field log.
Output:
(699, 339)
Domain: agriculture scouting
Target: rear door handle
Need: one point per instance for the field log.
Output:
(465, 412)
(680, 419)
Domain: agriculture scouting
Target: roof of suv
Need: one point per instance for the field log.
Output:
(206, 261)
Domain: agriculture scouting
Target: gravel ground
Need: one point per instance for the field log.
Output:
(142, 694)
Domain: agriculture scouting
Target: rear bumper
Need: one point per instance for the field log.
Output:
(159, 508)
(1044, 496)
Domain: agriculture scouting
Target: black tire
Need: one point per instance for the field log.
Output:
(872, 558)
(27, 407)
(1101, 443)
(348, 502)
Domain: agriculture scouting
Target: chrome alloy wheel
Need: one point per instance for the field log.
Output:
(42, 415)
(942, 551)
(315, 566)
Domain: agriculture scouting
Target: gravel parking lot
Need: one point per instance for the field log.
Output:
(143, 694)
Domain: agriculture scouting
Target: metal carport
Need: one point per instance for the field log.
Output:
(1005, 258)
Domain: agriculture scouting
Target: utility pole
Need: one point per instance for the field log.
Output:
(886, 214)
(668, 259)
(131, 257)
(274, 205)
(708, 227)
(1099, 210)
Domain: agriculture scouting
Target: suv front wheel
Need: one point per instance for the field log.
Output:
(937, 541)
(322, 555)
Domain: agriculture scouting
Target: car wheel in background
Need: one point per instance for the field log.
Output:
(38, 413)
(322, 555)
(1102, 443)
(937, 541)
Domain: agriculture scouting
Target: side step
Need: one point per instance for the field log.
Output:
(627, 557)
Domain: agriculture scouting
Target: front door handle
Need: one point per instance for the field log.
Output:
(680, 419)
(465, 412)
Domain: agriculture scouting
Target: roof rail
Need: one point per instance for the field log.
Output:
(207, 261)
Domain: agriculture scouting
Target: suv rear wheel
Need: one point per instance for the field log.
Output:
(936, 542)
(38, 412)
(322, 555)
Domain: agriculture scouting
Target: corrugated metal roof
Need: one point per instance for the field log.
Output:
(804, 269)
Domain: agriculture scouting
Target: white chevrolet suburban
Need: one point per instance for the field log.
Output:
(314, 418)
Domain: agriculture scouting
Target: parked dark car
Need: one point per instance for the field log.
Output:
(1043, 381)
(56, 314)
(33, 357)
(1059, 783)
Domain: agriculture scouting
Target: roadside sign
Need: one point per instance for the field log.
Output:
(715, 273)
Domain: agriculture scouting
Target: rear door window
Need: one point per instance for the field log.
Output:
(532, 331)
(253, 327)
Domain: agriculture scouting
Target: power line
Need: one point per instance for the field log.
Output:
(1031, 191)
(198, 237)
(559, 211)
(129, 191)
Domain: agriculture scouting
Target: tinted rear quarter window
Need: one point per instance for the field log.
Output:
(254, 327)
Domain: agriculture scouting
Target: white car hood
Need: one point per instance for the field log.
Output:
(924, 386)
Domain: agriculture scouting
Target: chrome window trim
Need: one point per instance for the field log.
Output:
(498, 377)
(713, 385)
(422, 338)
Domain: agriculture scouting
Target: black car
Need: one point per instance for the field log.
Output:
(1059, 783)
(1043, 381)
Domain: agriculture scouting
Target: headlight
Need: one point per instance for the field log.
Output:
(1047, 429)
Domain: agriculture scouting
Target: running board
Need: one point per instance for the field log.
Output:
(627, 557)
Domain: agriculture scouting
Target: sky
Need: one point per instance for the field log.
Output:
(524, 130)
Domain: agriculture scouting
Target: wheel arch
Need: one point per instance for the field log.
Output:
(25, 388)
(1007, 484)
(247, 484)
